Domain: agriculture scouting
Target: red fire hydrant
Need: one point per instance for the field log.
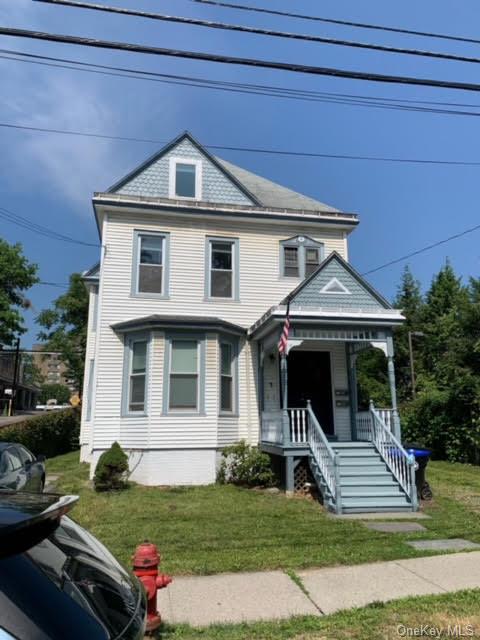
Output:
(145, 566)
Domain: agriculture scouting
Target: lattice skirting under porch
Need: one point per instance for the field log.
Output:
(304, 482)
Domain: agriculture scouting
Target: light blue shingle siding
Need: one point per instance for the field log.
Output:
(359, 297)
(154, 180)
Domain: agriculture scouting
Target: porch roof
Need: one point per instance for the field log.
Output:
(309, 317)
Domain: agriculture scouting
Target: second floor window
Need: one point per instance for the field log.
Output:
(150, 277)
(221, 276)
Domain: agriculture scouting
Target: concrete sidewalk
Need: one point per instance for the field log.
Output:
(272, 595)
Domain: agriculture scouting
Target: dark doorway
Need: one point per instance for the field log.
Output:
(310, 378)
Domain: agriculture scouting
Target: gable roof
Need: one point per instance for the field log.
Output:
(186, 135)
(273, 195)
(334, 256)
(259, 190)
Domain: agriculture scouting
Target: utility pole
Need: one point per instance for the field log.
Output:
(412, 365)
(15, 378)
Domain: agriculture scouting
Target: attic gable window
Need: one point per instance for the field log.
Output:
(300, 257)
(185, 179)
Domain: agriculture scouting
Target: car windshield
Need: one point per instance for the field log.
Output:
(81, 566)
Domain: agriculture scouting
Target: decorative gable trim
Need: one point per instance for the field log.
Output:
(336, 287)
(336, 256)
(156, 156)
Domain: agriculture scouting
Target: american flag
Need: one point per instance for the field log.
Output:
(282, 345)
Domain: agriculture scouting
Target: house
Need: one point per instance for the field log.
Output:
(200, 261)
(52, 368)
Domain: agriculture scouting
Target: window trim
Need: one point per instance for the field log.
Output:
(187, 336)
(234, 344)
(209, 240)
(302, 243)
(129, 339)
(137, 235)
(91, 369)
(173, 175)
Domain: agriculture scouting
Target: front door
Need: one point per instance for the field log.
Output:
(310, 378)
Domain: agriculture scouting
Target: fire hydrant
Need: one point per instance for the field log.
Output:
(145, 566)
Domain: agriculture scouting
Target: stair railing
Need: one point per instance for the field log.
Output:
(400, 463)
(325, 457)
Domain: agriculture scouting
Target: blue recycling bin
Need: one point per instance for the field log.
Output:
(422, 456)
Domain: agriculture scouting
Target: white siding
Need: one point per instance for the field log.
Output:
(260, 287)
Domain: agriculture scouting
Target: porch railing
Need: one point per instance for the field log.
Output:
(324, 456)
(272, 427)
(400, 463)
(298, 420)
(364, 422)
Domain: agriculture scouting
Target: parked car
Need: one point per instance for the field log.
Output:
(20, 470)
(57, 581)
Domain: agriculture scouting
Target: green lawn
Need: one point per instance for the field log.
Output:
(376, 622)
(214, 529)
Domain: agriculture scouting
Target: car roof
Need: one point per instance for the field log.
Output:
(5, 445)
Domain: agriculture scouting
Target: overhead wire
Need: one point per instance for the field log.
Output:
(259, 31)
(235, 60)
(346, 23)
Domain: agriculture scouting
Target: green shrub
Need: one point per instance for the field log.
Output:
(246, 466)
(51, 434)
(60, 392)
(446, 422)
(111, 471)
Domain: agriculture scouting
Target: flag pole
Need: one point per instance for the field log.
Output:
(283, 362)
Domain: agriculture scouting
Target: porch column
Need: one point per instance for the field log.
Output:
(353, 390)
(284, 378)
(289, 475)
(393, 389)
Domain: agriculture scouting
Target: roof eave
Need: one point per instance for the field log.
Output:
(343, 220)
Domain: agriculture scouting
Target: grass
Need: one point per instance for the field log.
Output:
(214, 529)
(376, 622)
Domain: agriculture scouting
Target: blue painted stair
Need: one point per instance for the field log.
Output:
(366, 483)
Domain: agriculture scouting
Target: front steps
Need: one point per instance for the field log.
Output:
(366, 483)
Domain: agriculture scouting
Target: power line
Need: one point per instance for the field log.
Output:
(423, 249)
(247, 88)
(259, 150)
(54, 284)
(25, 223)
(260, 31)
(248, 62)
(347, 23)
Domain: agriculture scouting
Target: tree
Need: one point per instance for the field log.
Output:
(65, 327)
(17, 275)
(31, 372)
(410, 300)
(60, 392)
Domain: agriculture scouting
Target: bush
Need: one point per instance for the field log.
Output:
(51, 434)
(246, 466)
(60, 392)
(111, 471)
(446, 422)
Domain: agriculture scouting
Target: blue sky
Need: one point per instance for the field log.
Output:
(50, 178)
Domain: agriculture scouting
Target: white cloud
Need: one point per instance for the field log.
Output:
(72, 165)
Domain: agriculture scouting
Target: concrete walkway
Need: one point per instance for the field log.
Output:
(272, 595)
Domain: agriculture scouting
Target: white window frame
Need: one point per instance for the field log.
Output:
(232, 376)
(235, 270)
(195, 409)
(173, 175)
(136, 255)
(130, 340)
